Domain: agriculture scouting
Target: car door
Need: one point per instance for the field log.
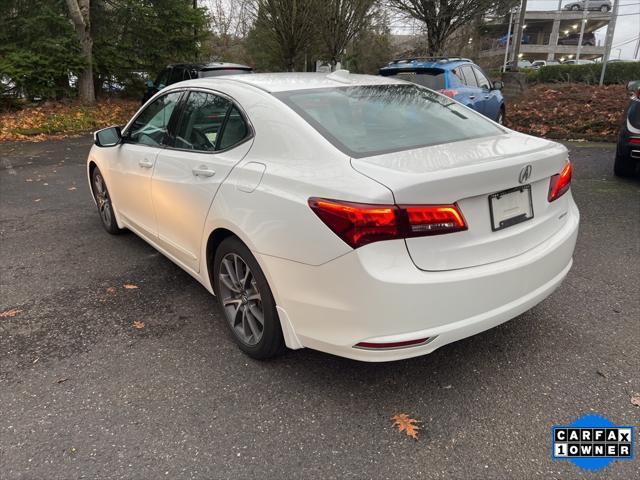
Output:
(211, 136)
(488, 99)
(469, 92)
(132, 165)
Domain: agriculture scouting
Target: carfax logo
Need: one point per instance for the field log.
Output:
(592, 442)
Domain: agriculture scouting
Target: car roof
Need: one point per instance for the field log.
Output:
(282, 82)
(443, 63)
(211, 66)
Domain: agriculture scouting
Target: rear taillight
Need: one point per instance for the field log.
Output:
(634, 141)
(560, 183)
(448, 92)
(360, 223)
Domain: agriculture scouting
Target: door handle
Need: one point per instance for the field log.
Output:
(203, 171)
(486, 97)
(472, 97)
(146, 163)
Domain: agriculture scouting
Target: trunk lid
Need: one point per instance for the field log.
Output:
(467, 173)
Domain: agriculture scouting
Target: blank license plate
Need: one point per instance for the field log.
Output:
(510, 207)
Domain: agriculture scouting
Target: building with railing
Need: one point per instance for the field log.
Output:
(548, 35)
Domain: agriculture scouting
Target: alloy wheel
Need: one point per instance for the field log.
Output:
(241, 299)
(102, 199)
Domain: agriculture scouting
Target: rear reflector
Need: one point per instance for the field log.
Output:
(382, 346)
(560, 183)
(361, 223)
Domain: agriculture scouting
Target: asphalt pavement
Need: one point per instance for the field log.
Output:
(86, 394)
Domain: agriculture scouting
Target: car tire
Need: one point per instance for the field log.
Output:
(575, 8)
(244, 296)
(103, 202)
(604, 9)
(623, 167)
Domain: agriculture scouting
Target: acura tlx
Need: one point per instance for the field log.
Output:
(362, 216)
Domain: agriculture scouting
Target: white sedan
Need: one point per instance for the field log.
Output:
(362, 216)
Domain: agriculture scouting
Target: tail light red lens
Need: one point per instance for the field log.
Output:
(634, 141)
(449, 93)
(560, 183)
(360, 223)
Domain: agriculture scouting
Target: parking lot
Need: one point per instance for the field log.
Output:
(86, 394)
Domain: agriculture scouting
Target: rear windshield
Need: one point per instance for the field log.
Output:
(223, 71)
(634, 114)
(433, 79)
(374, 119)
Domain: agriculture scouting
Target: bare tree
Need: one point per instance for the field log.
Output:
(79, 13)
(292, 22)
(230, 22)
(339, 22)
(444, 17)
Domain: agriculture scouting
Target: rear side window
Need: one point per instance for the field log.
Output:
(177, 75)
(469, 77)
(374, 119)
(209, 123)
(235, 130)
(432, 79)
(163, 78)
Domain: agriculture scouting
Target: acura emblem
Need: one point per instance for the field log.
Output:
(525, 174)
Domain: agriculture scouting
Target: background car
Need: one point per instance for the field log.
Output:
(522, 64)
(602, 5)
(588, 38)
(457, 78)
(543, 63)
(627, 160)
(186, 71)
(502, 41)
(578, 62)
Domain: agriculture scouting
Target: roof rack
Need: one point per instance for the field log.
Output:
(429, 59)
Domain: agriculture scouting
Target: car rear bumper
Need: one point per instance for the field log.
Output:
(376, 294)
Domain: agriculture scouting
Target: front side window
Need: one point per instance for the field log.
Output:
(374, 119)
(209, 123)
(483, 81)
(150, 127)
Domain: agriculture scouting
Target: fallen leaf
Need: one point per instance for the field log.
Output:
(138, 325)
(29, 180)
(62, 380)
(635, 399)
(10, 313)
(130, 286)
(403, 423)
(71, 189)
(37, 200)
(111, 290)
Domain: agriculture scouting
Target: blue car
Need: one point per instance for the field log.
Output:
(458, 78)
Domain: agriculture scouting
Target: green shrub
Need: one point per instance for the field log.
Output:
(617, 72)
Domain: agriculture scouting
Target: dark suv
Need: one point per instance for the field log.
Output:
(627, 161)
(574, 38)
(187, 71)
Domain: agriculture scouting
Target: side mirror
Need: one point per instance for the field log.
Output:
(498, 85)
(107, 137)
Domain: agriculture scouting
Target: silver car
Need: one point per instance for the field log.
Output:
(602, 5)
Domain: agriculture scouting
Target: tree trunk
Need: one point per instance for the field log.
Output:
(79, 12)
